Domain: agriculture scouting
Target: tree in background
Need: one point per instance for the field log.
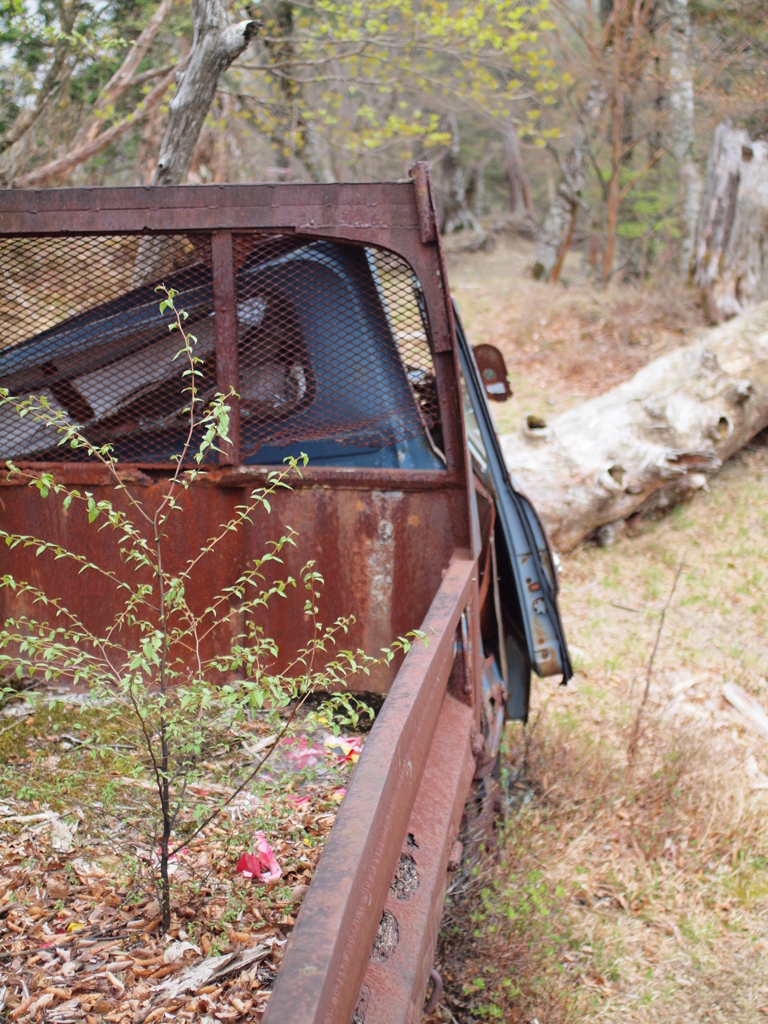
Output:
(65, 95)
(332, 86)
(613, 60)
(618, 98)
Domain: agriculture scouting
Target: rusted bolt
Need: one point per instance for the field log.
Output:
(478, 744)
(437, 991)
(454, 861)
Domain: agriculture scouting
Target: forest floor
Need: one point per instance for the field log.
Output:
(624, 888)
(80, 922)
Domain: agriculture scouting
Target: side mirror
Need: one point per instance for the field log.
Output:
(493, 372)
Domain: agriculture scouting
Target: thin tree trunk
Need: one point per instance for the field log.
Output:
(614, 199)
(617, 144)
(520, 203)
(457, 215)
(732, 234)
(476, 192)
(558, 267)
(215, 45)
(651, 441)
(561, 217)
(123, 78)
(681, 123)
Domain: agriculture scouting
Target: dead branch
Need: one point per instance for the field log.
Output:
(636, 729)
(66, 164)
(124, 78)
(215, 45)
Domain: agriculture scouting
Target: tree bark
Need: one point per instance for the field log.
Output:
(457, 215)
(652, 440)
(730, 265)
(561, 217)
(681, 122)
(215, 45)
(520, 203)
(124, 78)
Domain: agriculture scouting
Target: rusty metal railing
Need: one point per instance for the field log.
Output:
(328, 959)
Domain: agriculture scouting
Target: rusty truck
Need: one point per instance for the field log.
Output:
(326, 310)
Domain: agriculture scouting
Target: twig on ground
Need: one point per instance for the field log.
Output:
(636, 728)
(11, 726)
(625, 607)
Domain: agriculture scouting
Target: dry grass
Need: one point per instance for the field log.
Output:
(563, 344)
(631, 893)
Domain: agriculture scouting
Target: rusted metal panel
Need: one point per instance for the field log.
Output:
(380, 552)
(324, 965)
(424, 204)
(393, 988)
(398, 548)
(373, 212)
(334, 477)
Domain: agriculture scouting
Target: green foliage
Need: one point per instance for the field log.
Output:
(338, 77)
(82, 43)
(150, 666)
(650, 214)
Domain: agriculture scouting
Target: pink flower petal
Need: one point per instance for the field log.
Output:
(262, 864)
(298, 801)
(249, 865)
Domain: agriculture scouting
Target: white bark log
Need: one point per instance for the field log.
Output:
(652, 440)
(681, 122)
(215, 44)
(731, 254)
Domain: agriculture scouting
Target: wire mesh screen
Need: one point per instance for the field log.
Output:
(332, 350)
(332, 346)
(80, 326)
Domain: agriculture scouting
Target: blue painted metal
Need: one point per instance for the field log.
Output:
(535, 580)
(359, 397)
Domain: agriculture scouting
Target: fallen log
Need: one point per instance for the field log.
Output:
(651, 441)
